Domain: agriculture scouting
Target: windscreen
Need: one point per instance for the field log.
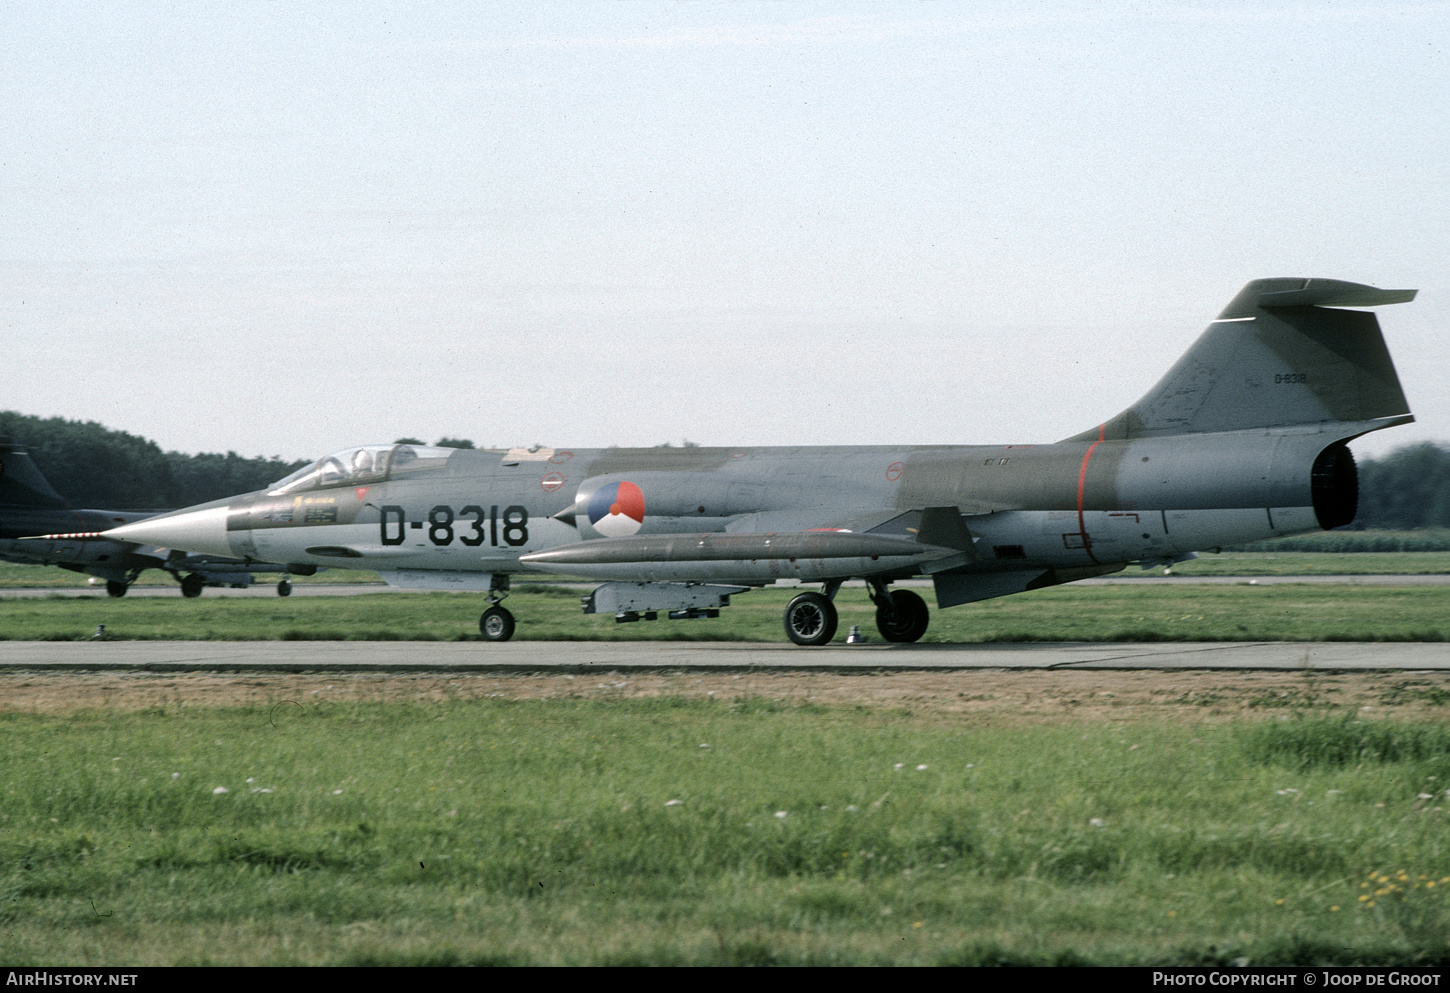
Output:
(362, 466)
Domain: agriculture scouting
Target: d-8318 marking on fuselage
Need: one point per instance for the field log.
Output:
(515, 525)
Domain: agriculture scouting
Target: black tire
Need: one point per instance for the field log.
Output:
(810, 619)
(910, 620)
(284, 588)
(496, 624)
(192, 585)
(114, 588)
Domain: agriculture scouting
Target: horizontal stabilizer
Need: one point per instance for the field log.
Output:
(1334, 293)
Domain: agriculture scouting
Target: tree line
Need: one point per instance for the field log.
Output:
(94, 466)
(1407, 489)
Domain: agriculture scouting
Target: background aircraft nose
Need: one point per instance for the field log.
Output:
(189, 530)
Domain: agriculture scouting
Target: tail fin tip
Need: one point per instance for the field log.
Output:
(1269, 294)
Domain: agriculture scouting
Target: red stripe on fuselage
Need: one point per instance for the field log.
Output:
(1087, 543)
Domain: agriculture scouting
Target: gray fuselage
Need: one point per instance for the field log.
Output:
(1065, 505)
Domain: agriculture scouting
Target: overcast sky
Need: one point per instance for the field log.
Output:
(286, 228)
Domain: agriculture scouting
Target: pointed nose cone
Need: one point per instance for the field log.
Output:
(202, 531)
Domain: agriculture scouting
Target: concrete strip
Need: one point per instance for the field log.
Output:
(525, 656)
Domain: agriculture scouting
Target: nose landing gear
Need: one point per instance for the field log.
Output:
(497, 623)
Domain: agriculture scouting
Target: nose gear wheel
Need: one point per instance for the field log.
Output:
(496, 624)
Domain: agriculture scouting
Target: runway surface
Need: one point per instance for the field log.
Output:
(393, 656)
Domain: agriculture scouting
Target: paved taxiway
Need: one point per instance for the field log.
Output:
(525, 656)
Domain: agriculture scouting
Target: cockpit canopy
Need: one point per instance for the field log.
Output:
(362, 466)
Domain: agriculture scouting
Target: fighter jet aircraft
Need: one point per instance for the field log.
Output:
(1243, 439)
(30, 507)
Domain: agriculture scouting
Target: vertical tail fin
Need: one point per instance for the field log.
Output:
(21, 483)
(1281, 354)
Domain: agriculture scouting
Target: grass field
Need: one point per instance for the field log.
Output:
(686, 828)
(1310, 564)
(957, 818)
(16, 576)
(1287, 612)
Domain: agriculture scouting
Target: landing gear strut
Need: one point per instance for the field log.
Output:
(901, 615)
(497, 624)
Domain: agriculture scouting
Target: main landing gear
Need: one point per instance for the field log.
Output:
(192, 584)
(284, 587)
(901, 615)
(118, 587)
(497, 624)
(810, 619)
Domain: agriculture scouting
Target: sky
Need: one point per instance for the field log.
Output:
(289, 228)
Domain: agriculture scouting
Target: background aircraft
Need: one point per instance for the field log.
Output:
(30, 506)
(1243, 439)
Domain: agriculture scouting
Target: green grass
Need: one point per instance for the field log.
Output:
(1306, 563)
(1337, 742)
(1282, 612)
(542, 832)
(15, 575)
(1373, 540)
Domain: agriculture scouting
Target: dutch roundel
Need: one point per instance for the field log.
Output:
(617, 510)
